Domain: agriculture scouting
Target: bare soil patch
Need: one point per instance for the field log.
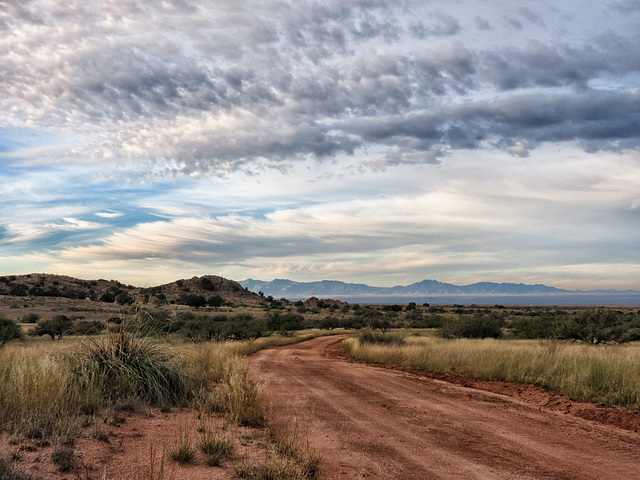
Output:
(383, 423)
(136, 446)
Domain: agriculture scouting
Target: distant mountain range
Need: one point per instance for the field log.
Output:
(427, 288)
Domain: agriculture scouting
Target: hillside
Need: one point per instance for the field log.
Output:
(113, 291)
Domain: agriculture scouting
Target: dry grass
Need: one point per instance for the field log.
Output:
(42, 397)
(603, 374)
(183, 451)
(39, 398)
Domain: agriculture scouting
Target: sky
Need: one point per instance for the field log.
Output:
(375, 141)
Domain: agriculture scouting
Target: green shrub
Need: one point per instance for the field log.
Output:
(244, 327)
(9, 330)
(92, 327)
(476, 326)
(370, 336)
(204, 328)
(31, 318)
(285, 322)
(591, 326)
(533, 327)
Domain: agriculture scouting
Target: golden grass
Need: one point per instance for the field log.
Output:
(603, 374)
(38, 395)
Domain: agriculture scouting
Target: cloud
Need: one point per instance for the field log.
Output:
(444, 26)
(518, 150)
(71, 224)
(109, 214)
(318, 136)
(212, 90)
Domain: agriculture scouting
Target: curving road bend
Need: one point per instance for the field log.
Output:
(375, 423)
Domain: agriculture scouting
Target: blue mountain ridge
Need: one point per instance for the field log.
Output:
(283, 288)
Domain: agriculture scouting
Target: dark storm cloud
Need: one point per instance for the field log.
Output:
(626, 6)
(598, 119)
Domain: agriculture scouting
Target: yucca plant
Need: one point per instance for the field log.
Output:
(124, 365)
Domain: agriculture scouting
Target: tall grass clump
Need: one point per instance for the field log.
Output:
(603, 374)
(38, 393)
(125, 365)
(226, 386)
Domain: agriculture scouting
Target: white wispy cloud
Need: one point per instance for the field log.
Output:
(109, 214)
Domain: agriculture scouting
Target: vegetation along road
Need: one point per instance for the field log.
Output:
(377, 423)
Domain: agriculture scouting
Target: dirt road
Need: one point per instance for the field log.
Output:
(376, 423)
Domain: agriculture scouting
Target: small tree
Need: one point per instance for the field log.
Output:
(55, 328)
(9, 330)
(215, 301)
(194, 300)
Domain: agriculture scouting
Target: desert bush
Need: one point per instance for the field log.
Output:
(9, 330)
(123, 365)
(89, 327)
(63, 457)
(476, 326)
(244, 326)
(107, 297)
(215, 301)
(192, 300)
(205, 328)
(284, 322)
(428, 321)
(124, 299)
(533, 327)
(371, 336)
(31, 318)
(157, 323)
(9, 472)
(280, 470)
(591, 326)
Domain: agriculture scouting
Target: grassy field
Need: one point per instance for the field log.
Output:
(176, 355)
(603, 374)
(53, 390)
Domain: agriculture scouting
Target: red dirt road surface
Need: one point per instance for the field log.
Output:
(377, 423)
